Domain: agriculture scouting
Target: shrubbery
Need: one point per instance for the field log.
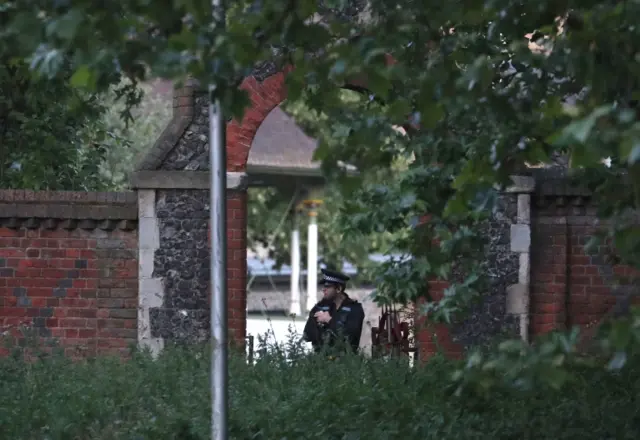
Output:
(300, 397)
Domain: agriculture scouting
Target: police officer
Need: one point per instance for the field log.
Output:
(336, 318)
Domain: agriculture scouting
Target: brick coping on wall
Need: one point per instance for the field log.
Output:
(68, 210)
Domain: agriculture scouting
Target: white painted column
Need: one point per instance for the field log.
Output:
(518, 295)
(312, 254)
(150, 289)
(294, 308)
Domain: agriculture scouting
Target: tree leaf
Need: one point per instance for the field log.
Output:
(83, 77)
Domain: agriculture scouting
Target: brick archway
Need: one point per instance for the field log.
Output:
(173, 185)
(265, 96)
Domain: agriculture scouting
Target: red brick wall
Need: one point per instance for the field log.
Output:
(68, 268)
(435, 338)
(549, 276)
(570, 287)
(237, 266)
(596, 285)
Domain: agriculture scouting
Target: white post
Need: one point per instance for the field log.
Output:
(295, 267)
(312, 254)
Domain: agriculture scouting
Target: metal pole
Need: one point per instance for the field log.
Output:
(219, 336)
(218, 212)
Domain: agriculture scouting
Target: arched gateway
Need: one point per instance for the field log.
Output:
(173, 202)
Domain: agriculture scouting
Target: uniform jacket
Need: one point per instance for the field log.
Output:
(345, 322)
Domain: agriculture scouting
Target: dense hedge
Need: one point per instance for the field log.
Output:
(307, 398)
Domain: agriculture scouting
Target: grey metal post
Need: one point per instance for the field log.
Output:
(219, 334)
(218, 212)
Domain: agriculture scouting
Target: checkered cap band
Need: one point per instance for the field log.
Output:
(333, 279)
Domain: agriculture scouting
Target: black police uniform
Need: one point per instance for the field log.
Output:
(346, 322)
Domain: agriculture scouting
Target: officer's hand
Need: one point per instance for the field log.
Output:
(322, 316)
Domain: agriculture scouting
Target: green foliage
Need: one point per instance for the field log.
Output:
(269, 208)
(55, 137)
(138, 39)
(50, 137)
(44, 141)
(296, 396)
(485, 102)
(90, 147)
(128, 139)
(58, 134)
(270, 222)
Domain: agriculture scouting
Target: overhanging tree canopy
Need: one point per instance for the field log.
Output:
(484, 103)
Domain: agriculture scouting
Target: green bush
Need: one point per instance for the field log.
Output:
(299, 397)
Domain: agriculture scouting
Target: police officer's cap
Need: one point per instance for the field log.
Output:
(334, 277)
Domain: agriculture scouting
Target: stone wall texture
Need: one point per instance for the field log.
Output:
(68, 269)
(567, 286)
(182, 259)
(488, 318)
(183, 263)
(192, 150)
